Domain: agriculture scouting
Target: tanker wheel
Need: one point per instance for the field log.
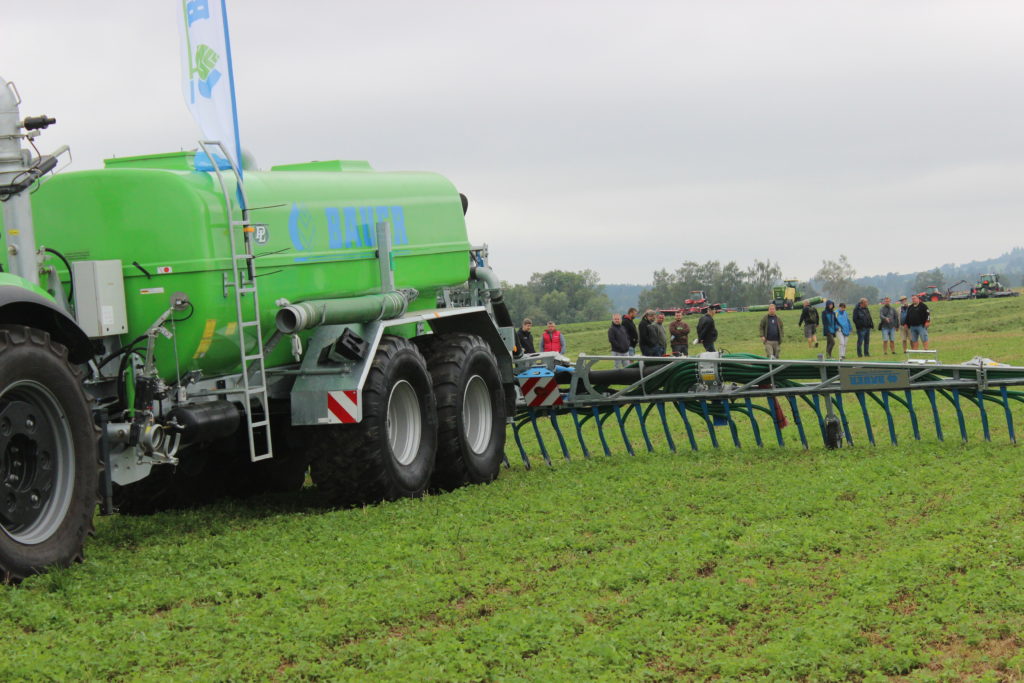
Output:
(470, 411)
(49, 463)
(390, 453)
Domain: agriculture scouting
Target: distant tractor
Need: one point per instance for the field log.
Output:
(989, 287)
(786, 294)
(932, 293)
(698, 300)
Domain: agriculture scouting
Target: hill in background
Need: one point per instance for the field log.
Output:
(624, 296)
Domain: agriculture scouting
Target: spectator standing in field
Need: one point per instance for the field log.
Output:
(524, 338)
(707, 333)
(904, 330)
(659, 326)
(627, 322)
(619, 340)
(771, 333)
(809, 321)
(843, 329)
(888, 323)
(863, 322)
(680, 334)
(648, 335)
(551, 339)
(829, 327)
(919, 319)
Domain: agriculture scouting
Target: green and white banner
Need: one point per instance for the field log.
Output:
(208, 81)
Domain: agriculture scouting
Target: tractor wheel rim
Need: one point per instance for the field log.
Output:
(37, 463)
(477, 414)
(404, 423)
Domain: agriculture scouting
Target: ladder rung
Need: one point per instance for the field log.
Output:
(253, 356)
(249, 323)
(244, 256)
(245, 290)
(261, 423)
(254, 390)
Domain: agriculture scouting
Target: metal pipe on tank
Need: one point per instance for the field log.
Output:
(358, 309)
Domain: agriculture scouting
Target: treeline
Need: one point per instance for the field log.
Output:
(726, 284)
(558, 295)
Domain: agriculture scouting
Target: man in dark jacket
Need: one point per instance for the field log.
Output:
(619, 340)
(771, 333)
(630, 327)
(649, 338)
(918, 321)
(863, 322)
(707, 333)
(524, 338)
(809, 321)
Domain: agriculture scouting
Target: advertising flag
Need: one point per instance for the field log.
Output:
(208, 82)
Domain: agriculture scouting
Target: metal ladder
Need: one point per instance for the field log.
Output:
(243, 269)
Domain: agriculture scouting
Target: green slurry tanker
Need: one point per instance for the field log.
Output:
(171, 332)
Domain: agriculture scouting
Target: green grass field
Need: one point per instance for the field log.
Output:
(865, 564)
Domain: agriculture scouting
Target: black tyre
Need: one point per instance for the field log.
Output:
(49, 465)
(390, 453)
(470, 411)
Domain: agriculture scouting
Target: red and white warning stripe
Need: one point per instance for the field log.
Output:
(541, 391)
(343, 407)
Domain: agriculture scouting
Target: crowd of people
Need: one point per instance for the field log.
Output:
(910, 322)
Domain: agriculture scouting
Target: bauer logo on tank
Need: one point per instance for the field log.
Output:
(540, 388)
(343, 407)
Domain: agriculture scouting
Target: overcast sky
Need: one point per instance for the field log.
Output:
(622, 137)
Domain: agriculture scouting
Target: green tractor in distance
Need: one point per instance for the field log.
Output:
(989, 287)
(784, 295)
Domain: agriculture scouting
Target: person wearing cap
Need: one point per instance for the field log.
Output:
(888, 321)
(904, 330)
(707, 333)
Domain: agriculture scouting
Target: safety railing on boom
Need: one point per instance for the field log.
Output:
(715, 399)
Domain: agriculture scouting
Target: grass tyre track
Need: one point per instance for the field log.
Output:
(49, 464)
(470, 411)
(390, 454)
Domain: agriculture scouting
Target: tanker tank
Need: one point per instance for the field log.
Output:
(315, 239)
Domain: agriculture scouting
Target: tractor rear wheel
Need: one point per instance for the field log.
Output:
(470, 410)
(390, 453)
(49, 464)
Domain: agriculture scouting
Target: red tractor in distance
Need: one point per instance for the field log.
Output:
(931, 293)
(698, 300)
